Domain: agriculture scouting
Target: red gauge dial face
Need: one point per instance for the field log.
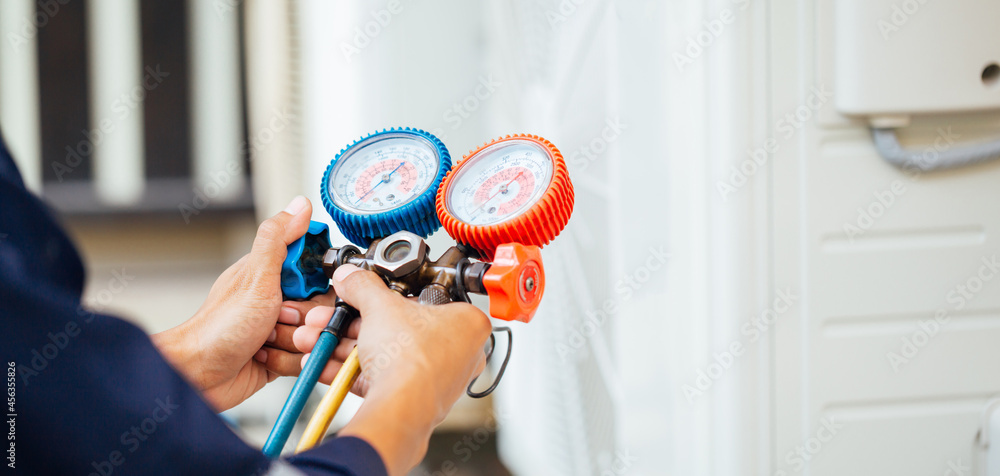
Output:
(513, 190)
(505, 192)
(499, 183)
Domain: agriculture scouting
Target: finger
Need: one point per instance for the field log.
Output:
(362, 289)
(360, 387)
(325, 299)
(319, 316)
(296, 311)
(329, 372)
(480, 365)
(480, 324)
(281, 338)
(304, 338)
(281, 362)
(344, 348)
(354, 330)
(291, 313)
(276, 233)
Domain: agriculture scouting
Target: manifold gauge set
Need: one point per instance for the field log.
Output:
(387, 192)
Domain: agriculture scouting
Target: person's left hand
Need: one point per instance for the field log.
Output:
(241, 337)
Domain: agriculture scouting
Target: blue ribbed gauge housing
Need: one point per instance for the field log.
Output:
(386, 182)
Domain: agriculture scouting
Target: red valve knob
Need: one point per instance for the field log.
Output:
(515, 282)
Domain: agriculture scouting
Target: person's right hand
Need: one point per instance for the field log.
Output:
(416, 361)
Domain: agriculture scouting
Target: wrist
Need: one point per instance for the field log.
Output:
(397, 420)
(176, 347)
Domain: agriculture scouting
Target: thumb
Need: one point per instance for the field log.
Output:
(362, 289)
(276, 233)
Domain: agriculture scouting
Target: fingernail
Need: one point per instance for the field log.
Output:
(274, 335)
(261, 356)
(296, 205)
(343, 271)
(288, 315)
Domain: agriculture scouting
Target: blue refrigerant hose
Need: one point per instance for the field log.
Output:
(314, 366)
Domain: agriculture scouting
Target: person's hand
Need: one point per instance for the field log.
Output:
(241, 337)
(416, 361)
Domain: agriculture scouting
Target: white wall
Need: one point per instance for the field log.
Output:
(781, 233)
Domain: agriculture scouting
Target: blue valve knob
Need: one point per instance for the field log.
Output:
(302, 272)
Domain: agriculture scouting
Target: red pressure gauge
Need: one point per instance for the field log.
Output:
(512, 190)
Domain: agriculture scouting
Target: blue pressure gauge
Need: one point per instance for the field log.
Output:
(384, 183)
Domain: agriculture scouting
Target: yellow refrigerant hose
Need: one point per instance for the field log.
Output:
(320, 421)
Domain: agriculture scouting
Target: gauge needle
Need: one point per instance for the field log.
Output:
(502, 188)
(385, 179)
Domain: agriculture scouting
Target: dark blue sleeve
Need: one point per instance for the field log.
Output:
(88, 393)
(344, 455)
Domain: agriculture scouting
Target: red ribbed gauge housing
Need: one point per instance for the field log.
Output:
(515, 189)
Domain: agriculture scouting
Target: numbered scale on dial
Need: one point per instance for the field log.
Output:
(514, 189)
(386, 182)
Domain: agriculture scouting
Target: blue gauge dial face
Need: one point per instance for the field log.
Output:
(383, 172)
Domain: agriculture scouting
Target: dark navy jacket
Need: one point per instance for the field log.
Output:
(89, 393)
